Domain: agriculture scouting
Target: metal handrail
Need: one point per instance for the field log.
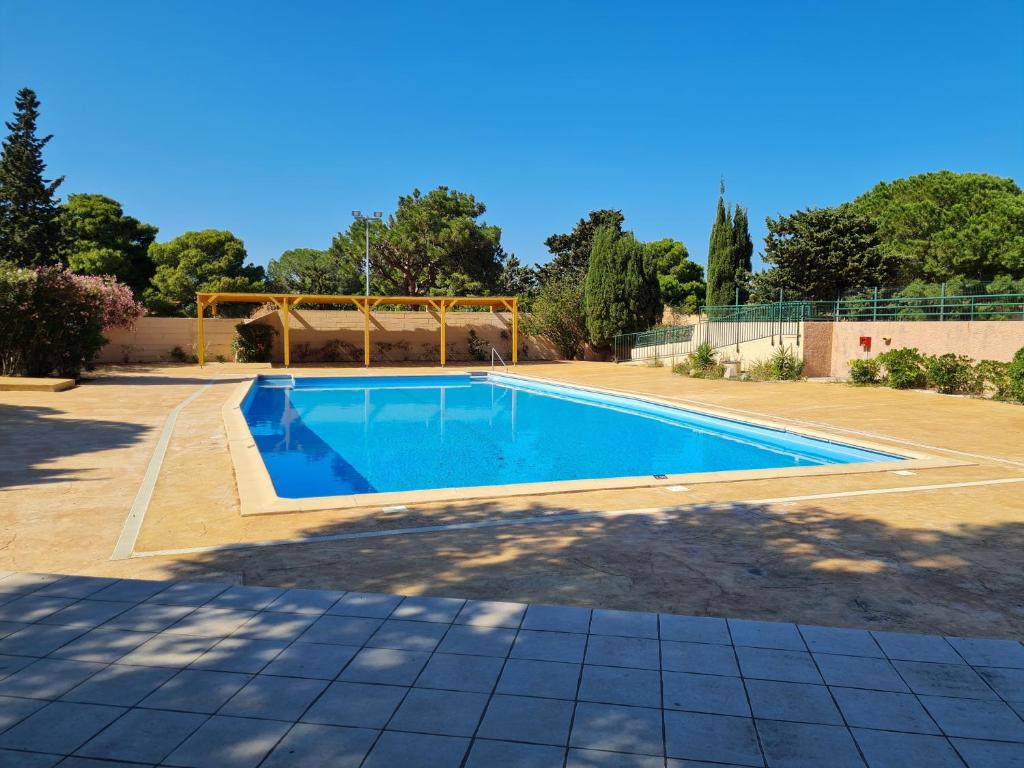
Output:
(496, 352)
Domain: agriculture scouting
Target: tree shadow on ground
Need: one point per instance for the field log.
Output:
(32, 437)
(807, 564)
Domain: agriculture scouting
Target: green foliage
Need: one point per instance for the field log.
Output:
(622, 294)
(742, 252)
(942, 225)
(1015, 376)
(721, 286)
(209, 260)
(994, 378)
(951, 374)
(478, 348)
(703, 357)
(179, 355)
(558, 314)
(904, 368)
(702, 363)
(680, 280)
(572, 251)
(516, 279)
(98, 239)
(823, 252)
(29, 227)
(253, 343)
(782, 365)
(865, 371)
(312, 271)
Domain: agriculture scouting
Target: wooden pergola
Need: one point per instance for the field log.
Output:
(365, 304)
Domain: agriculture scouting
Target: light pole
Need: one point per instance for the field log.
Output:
(358, 216)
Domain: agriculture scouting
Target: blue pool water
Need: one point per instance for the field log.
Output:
(369, 434)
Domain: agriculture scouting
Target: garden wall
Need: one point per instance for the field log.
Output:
(155, 337)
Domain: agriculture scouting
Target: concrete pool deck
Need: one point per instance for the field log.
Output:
(200, 674)
(937, 551)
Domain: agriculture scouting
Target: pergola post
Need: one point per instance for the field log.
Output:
(200, 337)
(287, 338)
(366, 334)
(515, 331)
(444, 337)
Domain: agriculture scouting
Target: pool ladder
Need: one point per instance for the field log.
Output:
(496, 353)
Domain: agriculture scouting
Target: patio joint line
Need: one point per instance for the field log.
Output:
(137, 514)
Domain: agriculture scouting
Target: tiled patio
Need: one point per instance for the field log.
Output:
(101, 672)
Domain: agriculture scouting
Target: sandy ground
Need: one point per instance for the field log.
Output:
(948, 559)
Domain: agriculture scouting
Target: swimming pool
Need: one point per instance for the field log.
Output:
(377, 434)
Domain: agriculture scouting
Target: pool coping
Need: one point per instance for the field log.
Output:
(257, 495)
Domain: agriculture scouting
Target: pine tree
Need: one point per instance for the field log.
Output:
(29, 227)
(721, 268)
(742, 252)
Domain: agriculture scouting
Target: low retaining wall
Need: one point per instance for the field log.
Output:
(155, 337)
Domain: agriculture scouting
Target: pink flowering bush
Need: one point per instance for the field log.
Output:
(52, 320)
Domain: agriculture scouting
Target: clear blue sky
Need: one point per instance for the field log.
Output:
(275, 120)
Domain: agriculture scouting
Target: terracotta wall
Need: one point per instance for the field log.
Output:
(155, 337)
(817, 349)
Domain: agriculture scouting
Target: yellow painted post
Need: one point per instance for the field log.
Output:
(366, 334)
(444, 339)
(287, 340)
(515, 331)
(200, 338)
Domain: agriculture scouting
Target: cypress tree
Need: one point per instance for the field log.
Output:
(29, 227)
(721, 269)
(742, 251)
(621, 291)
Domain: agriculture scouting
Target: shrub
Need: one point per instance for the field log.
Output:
(1015, 374)
(253, 343)
(951, 373)
(179, 355)
(702, 363)
(865, 371)
(785, 365)
(904, 368)
(993, 378)
(478, 348)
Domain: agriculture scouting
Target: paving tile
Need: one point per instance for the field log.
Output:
(384, 665)
(617, 729)
(611, 651)
(196, 690)
(241, 654)
(860, 672)
(87, 613)
(621, 685)
(455, 672)
(807, 745)
(89, 762)
(990, 754)
(10, 627)
(910, 647)
(47, 678)
(275, 626)
(149, 617)
(439, 609)
(38, 640)
(477, 641)
(884, 710)
(491, 613)
(13, 710)
(12, 759)
(989, 653)
(798, 702)
(847, 642)
(416, 750)
(886, 749)
(705, 693)
(228, 742)
(193, 593)
(373, 605)
(60, 727)
(698, 657)
(551, 679)
(549, 646)
(274, 698)
(557, 618)
(102, 645)
(766, 634)
(130, 590)
(321, 746)
(31, 608)
(784, 666)
(973, 719)
(119, 685)
(322, 662)
(624, 623)
(694, 629)
(1008, 683)
(76, 586)
(169, 651)
(486, 754)
(717, 738)
(211, 622)
(28, 582)
(955, 680)
(356, 704)
(313, 602)
(592, 758)
(407, 635)
(246, 598)
(142, 736)
(446, 713)
(341, 630)
(11, 664)
(521, 718)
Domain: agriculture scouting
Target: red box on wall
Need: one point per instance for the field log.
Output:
(865, 343)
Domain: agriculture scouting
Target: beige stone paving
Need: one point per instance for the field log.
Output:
(942, 560)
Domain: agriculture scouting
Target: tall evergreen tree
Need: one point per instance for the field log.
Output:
(30, 232)
(742, 252)
(721, 268)
(621, 292)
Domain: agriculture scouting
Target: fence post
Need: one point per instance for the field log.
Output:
(780, 321)
(942, 302)
(736, 314)
(874, 309)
